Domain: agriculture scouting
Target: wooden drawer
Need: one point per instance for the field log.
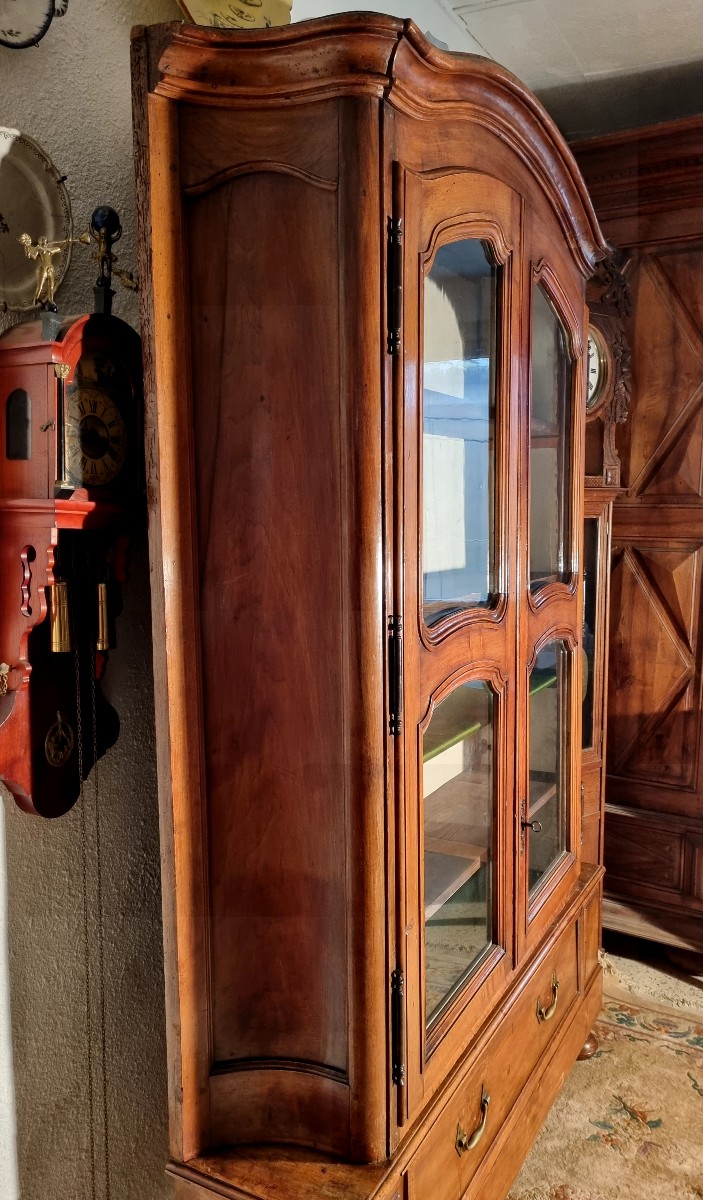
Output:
(439, 1170)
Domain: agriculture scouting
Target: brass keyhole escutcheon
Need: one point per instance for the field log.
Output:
(465, 1141)
(546, 1014)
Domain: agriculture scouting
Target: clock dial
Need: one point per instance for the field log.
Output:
(596, 369)
(96, 438)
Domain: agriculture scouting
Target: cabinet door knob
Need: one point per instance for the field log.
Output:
(465, 1141)
(546, 1014)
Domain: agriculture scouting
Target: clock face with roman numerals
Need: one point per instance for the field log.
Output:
(95, 437)
(99, 414)
(596, 369)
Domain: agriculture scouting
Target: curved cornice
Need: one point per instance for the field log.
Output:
(345, 54)
(372, 55)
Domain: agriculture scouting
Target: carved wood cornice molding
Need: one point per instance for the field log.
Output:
(365, 54)
(310, 60)
(656, 168)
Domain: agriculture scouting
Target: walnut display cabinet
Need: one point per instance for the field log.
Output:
(364, 265)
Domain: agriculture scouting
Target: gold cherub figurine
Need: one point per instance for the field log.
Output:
(105, 257)
(45, 252)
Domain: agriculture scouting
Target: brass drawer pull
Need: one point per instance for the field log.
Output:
(546, 1014)
(464, 1141)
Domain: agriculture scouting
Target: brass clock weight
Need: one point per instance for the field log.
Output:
(70, 489)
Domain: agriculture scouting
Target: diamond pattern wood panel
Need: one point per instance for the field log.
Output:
(663, 438)
(654, 715)
(652, 664)
(647, 186)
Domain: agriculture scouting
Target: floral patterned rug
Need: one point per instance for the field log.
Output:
(628, 1124)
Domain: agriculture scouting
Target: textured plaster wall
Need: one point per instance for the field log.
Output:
(72, 93)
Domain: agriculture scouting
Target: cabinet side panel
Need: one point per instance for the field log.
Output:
(175, 624)
(270, 529)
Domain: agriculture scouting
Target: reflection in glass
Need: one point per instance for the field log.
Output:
(590, 592)
(458, 430)
(458, 824)
(550, 438)
(548, 727)
(18, 425)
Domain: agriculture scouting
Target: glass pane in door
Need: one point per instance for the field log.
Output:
(458, 781)
(550, 438)
(460, 321)
(590, 594)
(548, 728)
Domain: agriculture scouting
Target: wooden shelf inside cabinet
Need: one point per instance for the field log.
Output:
(454, 850)
(543, 435)
(445, 874)
(539, 680)
(452, 722)
(541, 793)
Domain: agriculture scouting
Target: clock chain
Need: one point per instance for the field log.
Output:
(101, 939)
(83, 803)
(86, 925)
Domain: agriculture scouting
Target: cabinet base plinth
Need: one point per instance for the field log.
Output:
(268, 1173)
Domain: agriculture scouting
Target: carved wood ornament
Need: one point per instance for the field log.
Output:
(609, 303)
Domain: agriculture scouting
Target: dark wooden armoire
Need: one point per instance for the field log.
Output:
(364, 265)
(647, 188)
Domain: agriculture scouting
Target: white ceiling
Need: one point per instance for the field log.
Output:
(638, 52)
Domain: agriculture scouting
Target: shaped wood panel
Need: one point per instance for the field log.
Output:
(654, 704)
(652, 730)
(635, 851)
(662, 443)
(269, 568)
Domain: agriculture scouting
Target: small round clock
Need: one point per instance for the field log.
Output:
(597, 368)
(95, 438)
(101, 411)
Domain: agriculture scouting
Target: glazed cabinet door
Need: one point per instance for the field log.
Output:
(458, 567)
(597, 523)
(550, 600)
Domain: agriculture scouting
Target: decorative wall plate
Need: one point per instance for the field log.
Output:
(24, 22)
(237, 14)
(33, 200)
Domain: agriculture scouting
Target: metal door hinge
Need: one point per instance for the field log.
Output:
(395, 675)
(397, 1028)
(395, 284)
